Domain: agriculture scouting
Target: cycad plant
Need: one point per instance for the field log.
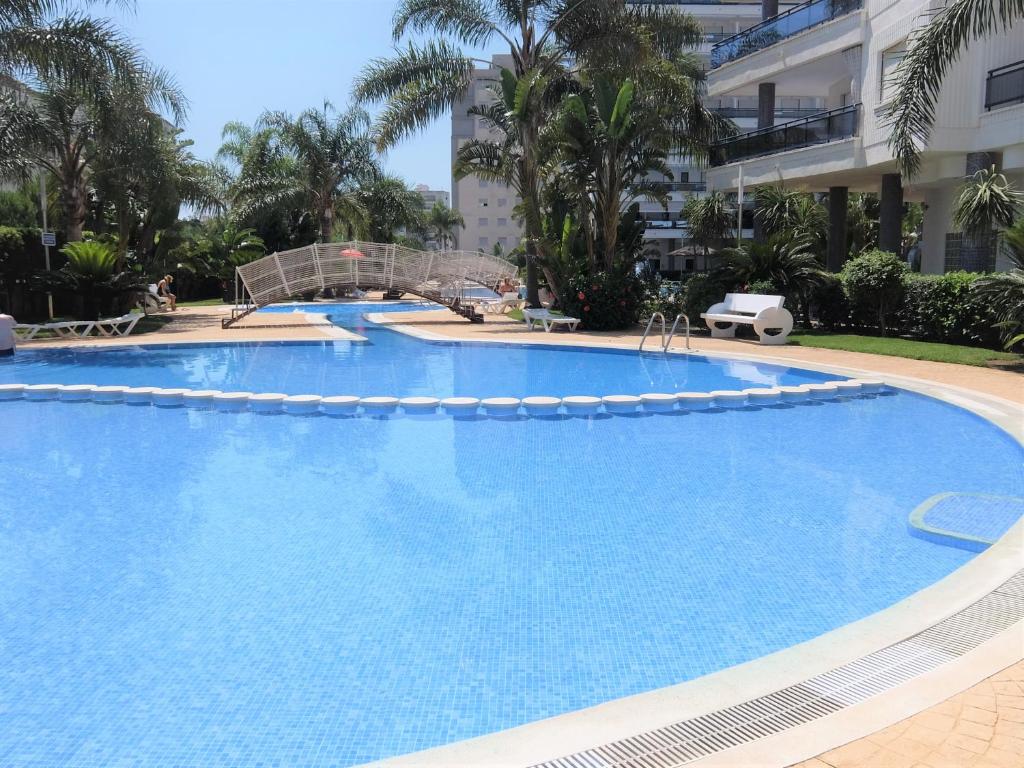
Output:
(782, 210)
(918, 80)
(91, 273)
(787, 262)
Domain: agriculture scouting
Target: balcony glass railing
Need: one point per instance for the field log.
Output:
(821, 128)
(1005, 86)
(778, 28)
(781, 113)
(681, 186)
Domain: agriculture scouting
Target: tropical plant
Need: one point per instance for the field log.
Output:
(875, 283)
(428, 79)
(443, 222)
(1004, 292)
(986, 200)
(919, 77)
(91, 273)
(781, 210)
(786, 263)
(391, 206)
(710, 218)
(314, 162)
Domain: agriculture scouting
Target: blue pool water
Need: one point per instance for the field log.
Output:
(194, 588)
(391, 363)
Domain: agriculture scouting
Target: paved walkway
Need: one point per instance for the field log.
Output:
(983, 727)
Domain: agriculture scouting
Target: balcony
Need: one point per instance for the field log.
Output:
(781, 113)
(681, 186)
(822, 128)
(778, 28)
(1005, 86)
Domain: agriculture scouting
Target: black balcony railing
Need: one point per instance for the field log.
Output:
(821, 128)
(1005, 86)
(681, 186)
(777, 28)
(781, 113)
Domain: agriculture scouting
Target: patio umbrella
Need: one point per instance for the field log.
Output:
(352, 253)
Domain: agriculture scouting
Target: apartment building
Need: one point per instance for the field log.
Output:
(666, 231)
(486, 207)
(432, 196)
(844, 52)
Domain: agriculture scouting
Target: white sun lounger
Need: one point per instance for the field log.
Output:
(118, 326)
(72, 329)
(501, 306)
(548, 320)
(26, 331)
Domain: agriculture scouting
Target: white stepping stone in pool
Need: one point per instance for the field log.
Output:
(111, 394)
(870, 385)
(763, 395)
(581, 405)
(729, 398)
(76, 393)
(620, 403)
(658, 402)
(267, 402)
(695, 401)
(172, 397)
(541, 405)
(460, 406)
(232, 401)
(379, 405)
(12, 391)
(139, 395)
(419, 405)
(42, 391)
(501, 406)
(825, 391)
(795, 393)
(339, 405)
(848, 388)
(199, 398)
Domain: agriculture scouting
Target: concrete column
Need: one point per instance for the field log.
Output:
(765, 105)
(769, 8)
(838, 197)
(890, 214)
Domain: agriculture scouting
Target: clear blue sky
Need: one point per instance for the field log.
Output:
(236, 58)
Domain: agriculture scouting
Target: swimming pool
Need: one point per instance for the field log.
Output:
(391, 363)
(192, 587)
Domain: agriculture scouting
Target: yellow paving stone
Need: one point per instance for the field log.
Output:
(1010, 728)
(1009, 713)
(1006, 687)
(1003, 700)
(908, 747)
(981, 701)
(949, 707)
(935, 720)
(1009, 743)
(970, 743)
(887, 735)
(951, 756)
(925, 735)
(884, 758)
(1002, 758)
(975, 730)
(979, 715)
(850, 755)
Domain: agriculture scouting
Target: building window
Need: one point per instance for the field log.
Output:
(483, 202)
(482, 221)
(891, 60)
(482, 242)
(502, 222)
(502, 202)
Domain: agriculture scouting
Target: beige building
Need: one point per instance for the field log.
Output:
(486, 207)
(844, 53)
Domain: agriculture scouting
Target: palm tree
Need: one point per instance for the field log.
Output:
(64, 129)
(986, 200)
(710, 219)
(38, 45)
(444, 222)
(797, 213)
(919, 78)
(784, 260)
(315, 161)
(426, 80)
(390, 205)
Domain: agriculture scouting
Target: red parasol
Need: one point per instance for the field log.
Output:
(352, 253)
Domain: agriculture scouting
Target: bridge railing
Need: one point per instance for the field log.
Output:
(315, 267)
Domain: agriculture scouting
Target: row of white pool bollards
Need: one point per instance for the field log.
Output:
(350, 405)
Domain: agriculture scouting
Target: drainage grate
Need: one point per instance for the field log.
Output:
(689, 740)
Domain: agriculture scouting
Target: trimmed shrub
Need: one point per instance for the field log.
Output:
(875, 286)
(604, 301)
(944, 308)
(703, 290)
(828, 304)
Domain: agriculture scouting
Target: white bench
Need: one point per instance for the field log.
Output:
(772, 322)
(548, 320)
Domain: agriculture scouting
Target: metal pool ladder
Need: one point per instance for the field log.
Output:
(665, 342)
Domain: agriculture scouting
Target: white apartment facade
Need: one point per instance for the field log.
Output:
(844, 52)
(486, 207)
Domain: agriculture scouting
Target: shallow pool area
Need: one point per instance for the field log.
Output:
(390, 363)
(193, 587)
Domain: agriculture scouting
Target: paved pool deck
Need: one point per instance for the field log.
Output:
(979, 721)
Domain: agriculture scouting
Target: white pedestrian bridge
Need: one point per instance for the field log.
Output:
(440, 276)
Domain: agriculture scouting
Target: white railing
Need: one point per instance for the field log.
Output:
(385, 266)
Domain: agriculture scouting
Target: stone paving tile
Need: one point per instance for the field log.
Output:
(979, 728)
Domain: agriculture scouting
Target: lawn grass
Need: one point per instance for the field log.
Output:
(896, 347)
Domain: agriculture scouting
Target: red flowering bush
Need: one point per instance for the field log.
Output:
(604, 301)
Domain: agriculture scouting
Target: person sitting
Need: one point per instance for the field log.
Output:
(163, 288)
